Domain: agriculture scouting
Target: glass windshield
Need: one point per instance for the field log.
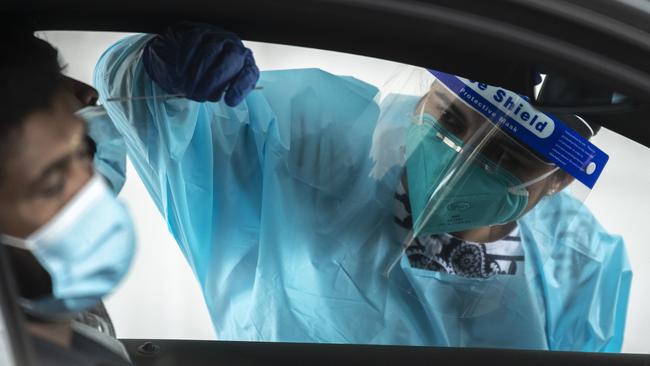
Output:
(355, 200)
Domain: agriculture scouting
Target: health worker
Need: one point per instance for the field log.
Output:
(314, 209)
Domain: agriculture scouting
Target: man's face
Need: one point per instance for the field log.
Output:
(46, 164)
(477, 132)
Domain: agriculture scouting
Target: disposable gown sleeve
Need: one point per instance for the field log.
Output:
(586, 277)
(110, 152)
(191, 156)
(593, 317)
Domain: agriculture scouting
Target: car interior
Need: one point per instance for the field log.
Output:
(594, 55)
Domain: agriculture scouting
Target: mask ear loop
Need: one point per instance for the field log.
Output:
(420, 114)
(520, 190)
(586, 125)
(16, 242)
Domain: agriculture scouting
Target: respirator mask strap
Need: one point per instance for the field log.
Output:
(521, 190)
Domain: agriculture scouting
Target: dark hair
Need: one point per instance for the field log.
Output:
(30, 77)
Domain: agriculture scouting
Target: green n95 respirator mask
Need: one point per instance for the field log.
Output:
(487, 194)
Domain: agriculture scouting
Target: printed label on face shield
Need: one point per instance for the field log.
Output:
(542, 132)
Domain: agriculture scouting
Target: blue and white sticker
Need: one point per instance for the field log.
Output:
(543, 132)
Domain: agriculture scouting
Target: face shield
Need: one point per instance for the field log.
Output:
(480, 176)
(494, 191)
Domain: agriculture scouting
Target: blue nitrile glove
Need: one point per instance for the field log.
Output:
(202, 62)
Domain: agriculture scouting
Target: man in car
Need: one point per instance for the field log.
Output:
(305, 210)
(68, 238)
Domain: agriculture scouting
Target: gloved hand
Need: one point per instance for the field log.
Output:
(202, 62)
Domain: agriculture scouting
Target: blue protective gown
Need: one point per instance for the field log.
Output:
(283, 206)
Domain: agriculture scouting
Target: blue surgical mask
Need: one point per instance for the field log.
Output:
(110, 155)
(86, 248)
(485, 196)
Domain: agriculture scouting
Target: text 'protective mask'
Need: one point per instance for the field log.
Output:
(86, 248)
